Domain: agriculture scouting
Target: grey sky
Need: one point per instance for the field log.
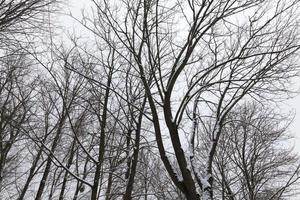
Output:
(289, 105)
(76, 6)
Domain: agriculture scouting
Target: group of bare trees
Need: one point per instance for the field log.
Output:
(166, 99)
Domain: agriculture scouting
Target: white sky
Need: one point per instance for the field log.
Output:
(294, 104)
(75, 7)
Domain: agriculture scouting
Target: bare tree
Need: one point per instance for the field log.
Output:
(16, 91)
(198, 48)
(22, 18)
(150, 106)
(253, 161)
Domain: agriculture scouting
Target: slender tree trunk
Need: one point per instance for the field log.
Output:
(70, 161)
(109, 185)
(31, 174)
(85, 173)
(49, 160)
(103, 120)
(32, 169)
(129, 187)
(54, 182)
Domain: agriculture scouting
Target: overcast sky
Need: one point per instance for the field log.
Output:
(293, 105)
